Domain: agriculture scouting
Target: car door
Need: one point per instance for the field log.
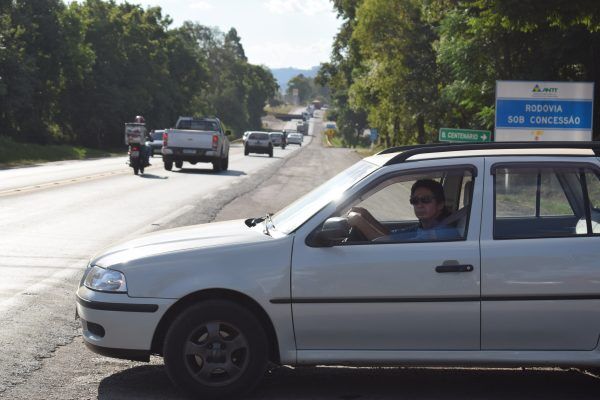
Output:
(391, 296)
(540, 264)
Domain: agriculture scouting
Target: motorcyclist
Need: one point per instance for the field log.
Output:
(144, 147)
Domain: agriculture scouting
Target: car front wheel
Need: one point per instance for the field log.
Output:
(216, 349)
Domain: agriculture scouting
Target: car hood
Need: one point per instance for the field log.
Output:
(194, 237)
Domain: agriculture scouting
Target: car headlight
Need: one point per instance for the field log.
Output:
(105, 280)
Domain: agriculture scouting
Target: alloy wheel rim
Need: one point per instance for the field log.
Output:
(216, 353)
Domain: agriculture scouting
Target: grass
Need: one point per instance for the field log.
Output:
(361, 148)
(14, 153)
(282, 109)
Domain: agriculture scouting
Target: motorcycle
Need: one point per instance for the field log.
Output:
(135, 134)
(136, 159)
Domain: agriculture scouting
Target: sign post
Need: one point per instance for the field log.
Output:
(544, 111)
(373, 136)
(464, 135)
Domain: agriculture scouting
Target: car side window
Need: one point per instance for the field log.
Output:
(416, 207)
(593, 189)
(538, 202)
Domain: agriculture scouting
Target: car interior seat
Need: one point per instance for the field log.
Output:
(458, 219)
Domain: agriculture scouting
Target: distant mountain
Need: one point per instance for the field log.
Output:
(283, 75)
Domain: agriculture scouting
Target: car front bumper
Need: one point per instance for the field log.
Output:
(117, 325)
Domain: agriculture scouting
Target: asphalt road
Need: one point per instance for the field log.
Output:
(44, 357)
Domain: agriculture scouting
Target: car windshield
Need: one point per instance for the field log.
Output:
(276, 135)
(259, 136)
(157, 135)
(294, 215)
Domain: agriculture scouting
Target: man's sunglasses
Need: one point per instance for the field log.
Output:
(423, 200)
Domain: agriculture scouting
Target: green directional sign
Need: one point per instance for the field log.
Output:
(464, 135)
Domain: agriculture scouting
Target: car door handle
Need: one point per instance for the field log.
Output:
(454, 268)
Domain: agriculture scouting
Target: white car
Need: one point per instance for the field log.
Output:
(258, 142)
(277, 139)
(517, 283)
(295, 138)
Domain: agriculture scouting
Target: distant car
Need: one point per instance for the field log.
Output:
(295, 138)
(247, 133)
(258, 142)
(302, 127)
(157, 141)
(277, 139)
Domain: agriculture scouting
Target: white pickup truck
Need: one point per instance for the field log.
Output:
(196, 140)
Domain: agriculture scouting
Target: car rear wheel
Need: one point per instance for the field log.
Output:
(178, 164)
(270, 152)
(216, 349)
(246, 151)
(225, 163)
(217, 165)
(169, 165)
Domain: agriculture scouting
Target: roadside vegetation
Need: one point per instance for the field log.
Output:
(75, 73)
(410, 67)
(362, 145)
(13, 153)
(280, 109)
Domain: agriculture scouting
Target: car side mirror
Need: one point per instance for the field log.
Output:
(333, 231)
(228, 132)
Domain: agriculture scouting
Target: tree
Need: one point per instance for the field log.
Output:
(303, 86)
(338, 74)
(398, 83)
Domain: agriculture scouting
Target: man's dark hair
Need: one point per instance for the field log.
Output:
(435, 187)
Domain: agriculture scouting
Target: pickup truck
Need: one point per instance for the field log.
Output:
(196, 140)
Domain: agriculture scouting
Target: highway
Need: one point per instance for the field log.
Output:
(55, 216)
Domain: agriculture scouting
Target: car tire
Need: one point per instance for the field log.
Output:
(225, 164)
(169, 165)
(141, 170)
(246, 151)
(178, 164)
(136, 170)
(217, 165)
(270, 152)
(216, 349)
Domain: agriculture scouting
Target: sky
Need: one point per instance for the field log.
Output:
(275, 33)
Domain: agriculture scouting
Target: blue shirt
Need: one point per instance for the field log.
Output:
(418, 234)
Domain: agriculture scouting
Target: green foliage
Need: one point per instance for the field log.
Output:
(413, 66)
(308, 89)
(12, 152)
(76, 73)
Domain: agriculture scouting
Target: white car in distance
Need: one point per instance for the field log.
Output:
(295, 138)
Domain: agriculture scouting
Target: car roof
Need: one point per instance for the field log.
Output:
(396, 155)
